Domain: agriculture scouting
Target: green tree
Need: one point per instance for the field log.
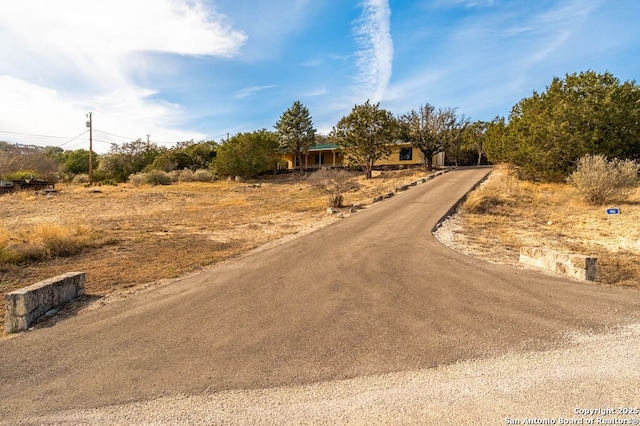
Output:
(586, 113)
(246, 154)
(129, 158)
(295, 131)
(432, 131)
(77, 161)
(496, 145)
(200, 155)
(475, 136)
(366, 135)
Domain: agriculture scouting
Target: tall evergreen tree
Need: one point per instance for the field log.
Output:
(295, 131)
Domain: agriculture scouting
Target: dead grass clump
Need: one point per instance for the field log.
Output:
(501, 189)
(6, 254)
(482, 203)
(51, 240)
(45, 241)
(621, 268)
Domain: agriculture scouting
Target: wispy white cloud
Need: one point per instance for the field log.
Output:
(375, 57)
(72, 57)
(317, 92)
(253, 90)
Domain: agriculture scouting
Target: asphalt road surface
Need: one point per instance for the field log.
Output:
(372, 295)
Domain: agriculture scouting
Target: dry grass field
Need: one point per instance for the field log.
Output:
(127, 238)
(504, 214)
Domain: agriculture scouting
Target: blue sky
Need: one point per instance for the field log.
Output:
(194, 69)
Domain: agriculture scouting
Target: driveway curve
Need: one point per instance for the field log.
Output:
(373, 294)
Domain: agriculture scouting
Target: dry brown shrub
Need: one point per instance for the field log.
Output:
(202, 175)
(137, 179)
(600, 180)
(80, 179)
(334, 183)
(186, 176)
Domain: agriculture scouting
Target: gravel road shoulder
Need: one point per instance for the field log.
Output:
(594, 372)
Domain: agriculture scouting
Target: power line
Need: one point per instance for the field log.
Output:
(32, 135)
(117, 136)
(101, 141)
(70, 140)
(213, 138)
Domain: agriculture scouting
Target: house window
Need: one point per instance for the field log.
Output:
(406, 154)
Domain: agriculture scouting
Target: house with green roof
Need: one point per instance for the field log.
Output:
(403, 154)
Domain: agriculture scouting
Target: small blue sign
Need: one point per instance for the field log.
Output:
(613, 211)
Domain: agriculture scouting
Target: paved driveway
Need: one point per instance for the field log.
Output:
(372, 294)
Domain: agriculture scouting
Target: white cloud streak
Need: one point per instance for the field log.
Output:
(250, 91)
(66, 57)
(375, 57)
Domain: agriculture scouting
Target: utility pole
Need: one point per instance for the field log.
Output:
(90, 126)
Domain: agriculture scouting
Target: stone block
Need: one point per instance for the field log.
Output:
(27, 304)
(576, 266)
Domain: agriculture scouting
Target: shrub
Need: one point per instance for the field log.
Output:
(186, 176)
(334, 183)
(600, 180)
(158, 177)
(202, 175)
(138, 179)
(22, 175)
(175, 175)
(80, 179)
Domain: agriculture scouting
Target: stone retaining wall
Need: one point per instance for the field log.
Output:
(572, 265)
(26, 305)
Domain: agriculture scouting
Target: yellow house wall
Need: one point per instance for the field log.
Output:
(394, 158)
(309, 160)
(417, 157)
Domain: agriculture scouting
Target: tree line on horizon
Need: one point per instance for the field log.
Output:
(544, 136)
